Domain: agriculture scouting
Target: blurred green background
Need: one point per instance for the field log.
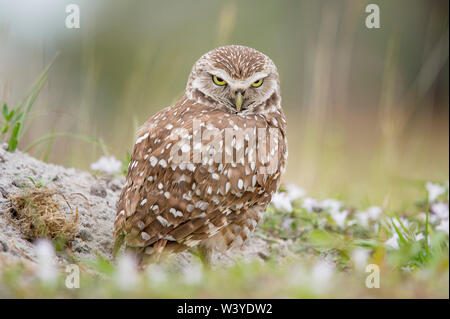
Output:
(367, 109)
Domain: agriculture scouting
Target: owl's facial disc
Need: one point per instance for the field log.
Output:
(234, 78)
(236, 94)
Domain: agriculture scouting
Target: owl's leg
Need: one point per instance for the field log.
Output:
(204, 253)
(152, 254)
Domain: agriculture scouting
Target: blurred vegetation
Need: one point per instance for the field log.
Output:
(312, 254)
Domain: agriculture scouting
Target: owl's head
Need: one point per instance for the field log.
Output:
(236, 79)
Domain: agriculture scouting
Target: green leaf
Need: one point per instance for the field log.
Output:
(32, 180)
(324, 238)
(10, 115)
(13, 139)
(5, 128)
(5, 111)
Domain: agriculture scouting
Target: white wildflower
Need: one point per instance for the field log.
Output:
(393, 241)
(443, 226)
(359, 257)
(294, 192)
(47, 271)
(434, 191)
(441, 210)
(321, 275)
(281, 201)
(339, 217)
(108, 165)
(371, 213)
(421, 236)
(422, 216)
(309, 204)
(351, 223)
(332, 205)
(363, 219)
(374, 212)
(126, 276)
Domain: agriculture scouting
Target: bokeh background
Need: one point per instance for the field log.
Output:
(367, 109)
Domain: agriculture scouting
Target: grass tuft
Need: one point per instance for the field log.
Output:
(38, 213)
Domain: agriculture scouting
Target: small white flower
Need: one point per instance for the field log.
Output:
(393, 241)
(282, 202)
(351, 223)
(332, 205)
(434, 191)
(419, 236)
(108, 165)
(126, 276)
(363, 219)
(443, 226)
(46, 261)
(374, 212)
(321, 275)
(371, 213)
(423, 217)
(359, 257)
(309, 204)
(193, 274)
(294, 192)
(339, 217)
(441, 210)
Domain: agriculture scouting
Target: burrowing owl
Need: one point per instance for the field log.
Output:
(203, 170)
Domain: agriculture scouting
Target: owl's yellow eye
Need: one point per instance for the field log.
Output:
(258, 83)
(219, 81)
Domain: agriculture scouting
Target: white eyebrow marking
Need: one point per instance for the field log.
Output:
(234, 84)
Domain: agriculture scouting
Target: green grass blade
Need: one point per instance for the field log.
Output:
(35, 84)
(48, 149)
(13, 139)
(51, 136)
(5, 111)
(399, 233)
(30, 102)
(427, 213)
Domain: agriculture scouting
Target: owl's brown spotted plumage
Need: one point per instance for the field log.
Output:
(203, 171)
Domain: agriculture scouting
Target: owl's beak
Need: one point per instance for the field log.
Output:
(238, 101)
